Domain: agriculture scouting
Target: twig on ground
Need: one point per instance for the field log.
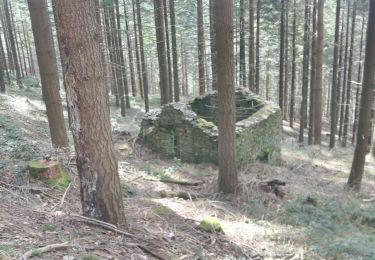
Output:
(45, 249)
(65, 193)
(113, 228)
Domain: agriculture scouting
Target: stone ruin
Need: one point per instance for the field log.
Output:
(189, 130)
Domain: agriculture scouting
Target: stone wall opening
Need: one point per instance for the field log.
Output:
(189, 130)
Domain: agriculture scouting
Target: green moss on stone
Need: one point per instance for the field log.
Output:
(210, 224)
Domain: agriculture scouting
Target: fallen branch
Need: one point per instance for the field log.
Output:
(181, 182)
(35, 190)
(45, 249)
(102, 224)
(113, 228)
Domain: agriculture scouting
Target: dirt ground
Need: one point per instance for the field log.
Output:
(311, 217)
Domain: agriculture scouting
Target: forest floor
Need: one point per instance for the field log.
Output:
(315, 219)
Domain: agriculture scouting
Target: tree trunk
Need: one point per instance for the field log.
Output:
(162, 55)
(46, 55)
(355, 178)
(318, 106)
(225, 64)
(282, 53)
(12, 44)
(137, 50)
(168, 48)
(349, 81)
(96, 162)
(242, 45)
(142, 54)
(174, 52)
(251, 48)
(305, 72)
(112, 54)
(201, 46)
(332, 139)
(257, 51)
(293, 87)
(122, 64)
(130, 53)
(213, 47)
(312, 75)
(286, 62)
(4, 67)
(359, 80)
(7, 42)
(343, 89)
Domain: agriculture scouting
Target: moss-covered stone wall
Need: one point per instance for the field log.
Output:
(178, 131)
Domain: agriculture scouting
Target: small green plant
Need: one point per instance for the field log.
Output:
(6, 250)
(128, 188)
(36, 252)
(49, 227)
(89, 257)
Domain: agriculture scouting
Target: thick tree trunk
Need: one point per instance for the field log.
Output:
(355, 178)
(162, 55)
(349, 81)
(201, 46)
(142, 54)
(96, 162)
(293, 87)
(225, 64)
(46, 55)
(3, 66)
(251, 61)
(305, 73)
(359, 81)
(12, 43)
(318, 106)
(334, 92)
(176, 82)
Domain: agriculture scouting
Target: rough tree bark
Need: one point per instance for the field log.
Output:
(242, 45)
(251, 48)
(332, 139)
(294, 50)
(168, 48)
(143, 60)
(46, 55)
(305, 73)
(79, 34)
(213, 47)
(130, 53)
(312, 76)
(359, 81)
(176, 82)
(355, 178)
(162, 55)
(225, 65)
(12, 43)
(257, 51)
(201, 45)
(349, 81)
(318, 106)
(344, 81)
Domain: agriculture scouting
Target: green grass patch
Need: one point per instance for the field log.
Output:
(333, 229)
